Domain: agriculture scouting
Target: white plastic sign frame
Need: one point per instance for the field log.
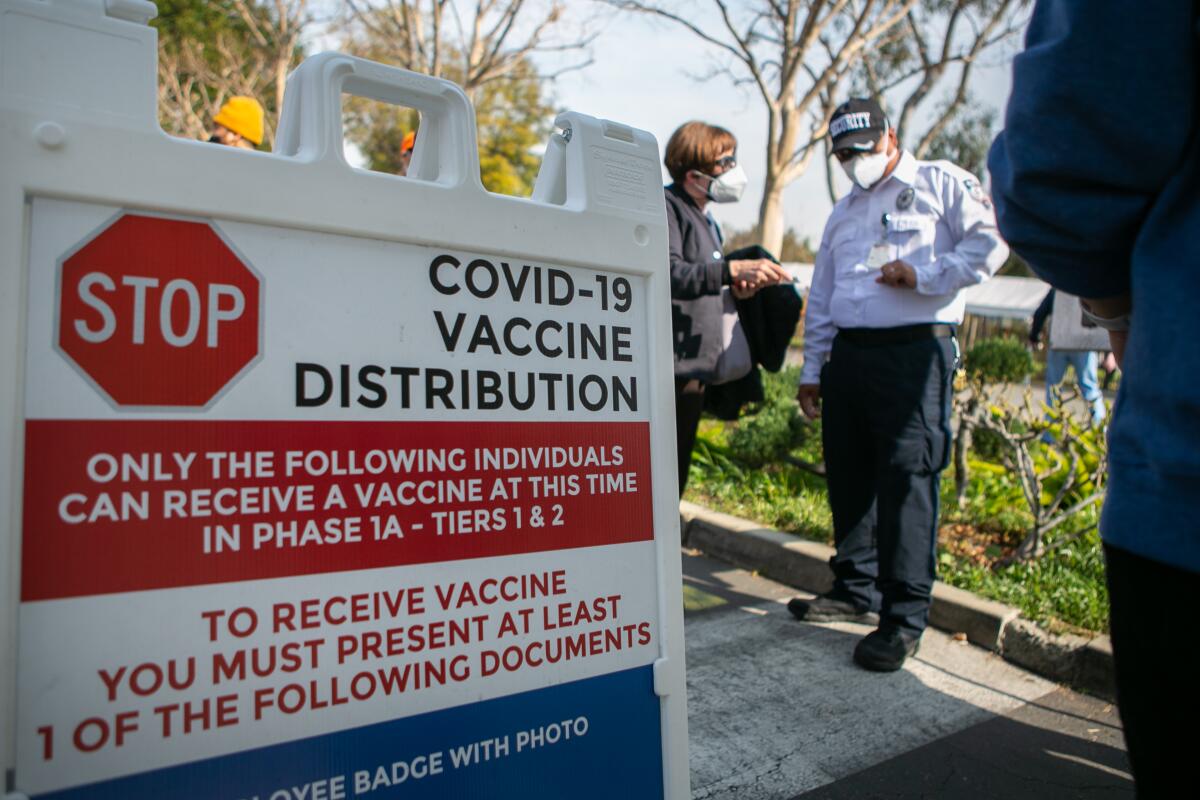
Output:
(312, 267)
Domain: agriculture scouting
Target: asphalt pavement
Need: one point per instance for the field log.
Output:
(777, 710)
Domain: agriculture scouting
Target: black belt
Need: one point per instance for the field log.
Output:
(904, 334)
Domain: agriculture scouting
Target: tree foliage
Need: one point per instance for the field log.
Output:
(487, 48)
(1060, 464)
(798, 55)
(479, 42)
(965, 139)
(514, 119)
(928, 63)
(378, 130)
(795, 248)
(512, 116)
(194, 20)
(991, 362)
(805, 56)
(210, 51)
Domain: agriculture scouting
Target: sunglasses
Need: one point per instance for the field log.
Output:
(845, 155)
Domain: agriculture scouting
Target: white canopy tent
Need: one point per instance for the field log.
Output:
(1002, 297)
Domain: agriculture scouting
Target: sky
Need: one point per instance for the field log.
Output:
(643, 76)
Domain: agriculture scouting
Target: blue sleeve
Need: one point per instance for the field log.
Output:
(1099, 118)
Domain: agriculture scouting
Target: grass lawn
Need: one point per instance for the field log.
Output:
(1062, 590)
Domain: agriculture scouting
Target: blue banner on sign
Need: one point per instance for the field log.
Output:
(596, 738)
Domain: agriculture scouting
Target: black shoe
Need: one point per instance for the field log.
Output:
(826, 608)
(884, 650)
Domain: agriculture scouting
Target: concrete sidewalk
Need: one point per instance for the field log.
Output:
(1083, 662)
(778, 710)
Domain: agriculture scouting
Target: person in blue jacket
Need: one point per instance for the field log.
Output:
(1096, 180)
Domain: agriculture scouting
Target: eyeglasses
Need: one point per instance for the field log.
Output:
(728, 162)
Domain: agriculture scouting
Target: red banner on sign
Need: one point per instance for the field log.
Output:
(118, 506)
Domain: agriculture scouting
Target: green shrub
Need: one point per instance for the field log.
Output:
(1065, 585)
(780, 387)
(764, 437)
(993, 499)
(768, 433)
(988, 445)
(779, 495)
(999, 360)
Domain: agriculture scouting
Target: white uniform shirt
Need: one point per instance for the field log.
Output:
(938, 219)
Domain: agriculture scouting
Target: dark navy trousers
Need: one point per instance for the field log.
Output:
(886, 432)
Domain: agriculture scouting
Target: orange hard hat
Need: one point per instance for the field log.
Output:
(410, 139)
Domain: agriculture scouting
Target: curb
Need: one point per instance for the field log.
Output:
(1081, 662)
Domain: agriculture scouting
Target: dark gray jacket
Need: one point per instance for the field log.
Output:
(698, 272)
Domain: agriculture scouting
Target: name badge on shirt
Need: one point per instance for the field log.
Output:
(881, 253)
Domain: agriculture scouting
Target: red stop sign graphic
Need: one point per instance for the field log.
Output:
(158, 312)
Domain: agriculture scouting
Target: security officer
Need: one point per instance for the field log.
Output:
(880, 354)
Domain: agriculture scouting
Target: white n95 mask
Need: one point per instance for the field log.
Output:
(728, 186)
(867, 169)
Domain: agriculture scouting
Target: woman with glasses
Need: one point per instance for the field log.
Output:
(702, 162)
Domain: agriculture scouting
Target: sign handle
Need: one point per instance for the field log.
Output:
(310, 126)
(601, 166)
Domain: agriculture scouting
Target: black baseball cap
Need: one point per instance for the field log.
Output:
(857, 125)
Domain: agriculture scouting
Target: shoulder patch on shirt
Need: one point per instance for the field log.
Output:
(905, 199)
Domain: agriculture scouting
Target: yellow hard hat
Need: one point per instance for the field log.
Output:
(243, 116)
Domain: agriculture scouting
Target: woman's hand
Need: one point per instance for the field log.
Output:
(743, 290)
(756, 273)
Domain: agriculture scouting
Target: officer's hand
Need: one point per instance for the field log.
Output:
(809, 397)
(899, 274)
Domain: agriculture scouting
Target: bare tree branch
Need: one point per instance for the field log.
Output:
(937, 38)
(485, 42)
(797, 53)
(197, 77)
(968, 61)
